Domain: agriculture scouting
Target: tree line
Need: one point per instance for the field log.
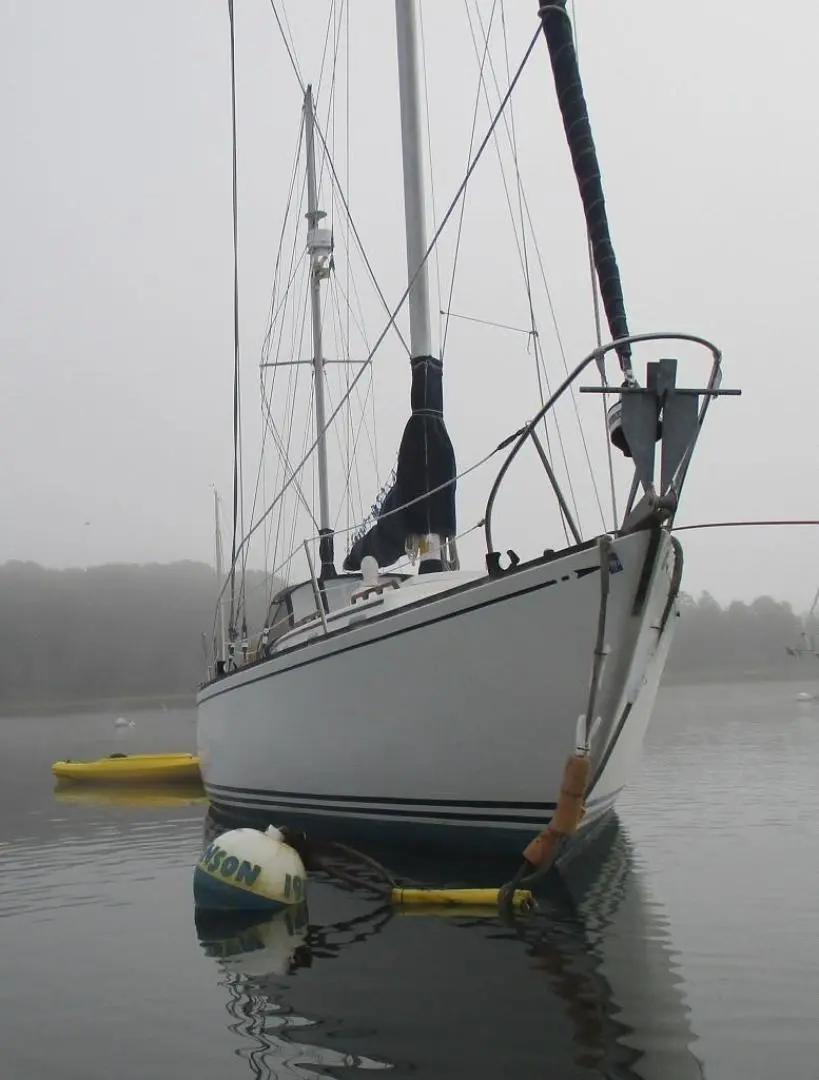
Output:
(108, 632)
(763, 639)
(139, 632)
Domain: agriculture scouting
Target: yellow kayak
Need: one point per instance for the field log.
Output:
(131, 769)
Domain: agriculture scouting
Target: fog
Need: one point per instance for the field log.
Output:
(116, 293)
(145, 633)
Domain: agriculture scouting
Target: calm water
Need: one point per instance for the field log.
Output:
(686, 947)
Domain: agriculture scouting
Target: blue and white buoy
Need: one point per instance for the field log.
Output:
(249, 870)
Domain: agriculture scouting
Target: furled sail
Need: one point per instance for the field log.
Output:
(422, 499)
(421, 502)
(557, 30)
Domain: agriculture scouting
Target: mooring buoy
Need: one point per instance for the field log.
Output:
(247, 870)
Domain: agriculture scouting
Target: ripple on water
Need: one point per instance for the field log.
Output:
(691, 939)
(71, 870)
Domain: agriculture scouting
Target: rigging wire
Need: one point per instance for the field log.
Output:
(297, 550)
(347, 306)
(540, 363)
(786, 522)
(295, 268)
(298, 346)
(286, 35)
(350, 223)
(490, 322)
(295, 265)
(331, 166)
(335, 291)
(268, 370)
(274, 342)
(604, 382)
(743, 524)
(598, 326)
(294, 374)
(523, 204)
(271, 579)
(357, 237)
(402, 300)
(266, 387)
(459, 231)
(540, 370)
(553, 314)
(338, 17)
(294, 349)
(335, 314)
(352, 462)
(236, 379)
(271, 428)
(291, 52)
(393, 315)
(331, 103)
(335, 23)
(347, 334)
(308, 429)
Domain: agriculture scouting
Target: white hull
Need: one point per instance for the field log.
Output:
(448, 720)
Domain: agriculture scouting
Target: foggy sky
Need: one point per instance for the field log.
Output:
(116, 344)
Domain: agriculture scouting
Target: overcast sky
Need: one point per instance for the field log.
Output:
(116, 344)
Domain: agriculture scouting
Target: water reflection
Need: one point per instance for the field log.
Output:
(253, 943)
(149, 796)
(251, 952)
(584, 987)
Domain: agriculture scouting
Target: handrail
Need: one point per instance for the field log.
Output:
(332, 617)
(316, 589)
(595, 355)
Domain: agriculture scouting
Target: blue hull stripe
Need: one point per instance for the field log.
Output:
(397, 810)
(383, 800)
(478, 836)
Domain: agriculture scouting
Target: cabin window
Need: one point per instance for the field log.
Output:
(278, 620)
(303, 602)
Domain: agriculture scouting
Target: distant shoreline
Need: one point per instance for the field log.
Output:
(122, 705)
(118, 705)
(733, 678)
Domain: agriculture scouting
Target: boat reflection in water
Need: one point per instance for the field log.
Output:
(584, 987)
(151, 796)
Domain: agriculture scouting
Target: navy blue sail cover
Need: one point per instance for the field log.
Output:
(557, 30)
(426, 463)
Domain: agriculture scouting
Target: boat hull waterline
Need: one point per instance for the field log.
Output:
(448, 722)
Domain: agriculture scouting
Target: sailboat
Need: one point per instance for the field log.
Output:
(436, 705)
(807, 647)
